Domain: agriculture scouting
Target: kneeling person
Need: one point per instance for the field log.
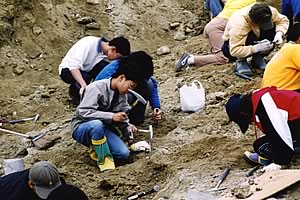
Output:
(277, 114)
(103, 107)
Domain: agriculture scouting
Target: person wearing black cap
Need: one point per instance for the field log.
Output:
(35, 183)
(252, 32)
(277, 114)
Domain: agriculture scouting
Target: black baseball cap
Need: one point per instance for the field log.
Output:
(233, 109)
(261, 14)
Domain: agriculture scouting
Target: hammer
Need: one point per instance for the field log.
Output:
(150, 134)
(35, 118)
(155, 188)
(139, 98)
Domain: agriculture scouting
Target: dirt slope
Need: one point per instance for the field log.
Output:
(190, 150)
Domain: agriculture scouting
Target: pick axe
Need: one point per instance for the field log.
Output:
(150, 134)
(35, 118)
(36, 140)
(139, 98)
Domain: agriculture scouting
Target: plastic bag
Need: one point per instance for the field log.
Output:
(192, 98)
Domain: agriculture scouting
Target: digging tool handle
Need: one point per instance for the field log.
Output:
(156, 188)
(251, 172)
(223, 176)
(138, 195)
(143, 131)
(16, 133)
(17, 121)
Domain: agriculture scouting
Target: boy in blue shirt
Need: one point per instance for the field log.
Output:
(148, 89)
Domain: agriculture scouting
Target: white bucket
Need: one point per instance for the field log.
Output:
(13, 165)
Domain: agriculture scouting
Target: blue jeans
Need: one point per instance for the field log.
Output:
(95, 130)
(214, 6)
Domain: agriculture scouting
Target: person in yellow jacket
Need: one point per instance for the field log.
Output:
(252, 32)
(214, 31)
(283, 70)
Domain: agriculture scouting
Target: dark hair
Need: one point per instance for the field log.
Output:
(260, 12)
(294, 32)
(131, 70)
(122, 45)
(67, 192)
(144, 61)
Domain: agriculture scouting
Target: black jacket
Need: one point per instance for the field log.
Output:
(15, 187)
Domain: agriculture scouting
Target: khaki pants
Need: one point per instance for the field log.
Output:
(213, 31)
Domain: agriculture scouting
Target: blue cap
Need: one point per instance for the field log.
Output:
(233, 111)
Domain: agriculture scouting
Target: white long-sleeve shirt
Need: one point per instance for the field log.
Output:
(83, 55)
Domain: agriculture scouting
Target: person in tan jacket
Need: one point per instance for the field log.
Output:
(213, 31)
(253, 31)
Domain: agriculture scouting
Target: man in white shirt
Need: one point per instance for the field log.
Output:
(86, 59)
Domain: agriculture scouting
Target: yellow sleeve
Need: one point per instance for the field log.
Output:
(296, 56)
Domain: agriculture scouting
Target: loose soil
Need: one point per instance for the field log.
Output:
(189, 149)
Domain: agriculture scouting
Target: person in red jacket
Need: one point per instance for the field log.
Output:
(277, 114)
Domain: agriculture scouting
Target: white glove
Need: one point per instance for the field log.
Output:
(262, 46)
(271, 167)
(278, 38)
(140, 146)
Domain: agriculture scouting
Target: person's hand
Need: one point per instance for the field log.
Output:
(264, 45)
(132, 128)
(157, 114)
(119, 117)
(278, 38)
(271, 167)
(140, 146)
(81, 90)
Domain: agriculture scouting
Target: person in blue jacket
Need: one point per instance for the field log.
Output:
(148, 90)
(214, 7)
(291, 9)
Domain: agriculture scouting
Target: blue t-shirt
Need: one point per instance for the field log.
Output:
(111, 69)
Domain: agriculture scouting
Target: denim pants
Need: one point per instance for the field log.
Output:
(213, 31)
(214, 6)
(95, 130)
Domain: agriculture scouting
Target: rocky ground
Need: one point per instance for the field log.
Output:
(189, 149)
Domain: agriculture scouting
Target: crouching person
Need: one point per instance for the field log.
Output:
(277, 114)
(35, 183)
(104, 107)
(252, 32)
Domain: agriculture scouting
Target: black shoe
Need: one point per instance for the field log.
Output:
(258, 61)
(242, 67)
